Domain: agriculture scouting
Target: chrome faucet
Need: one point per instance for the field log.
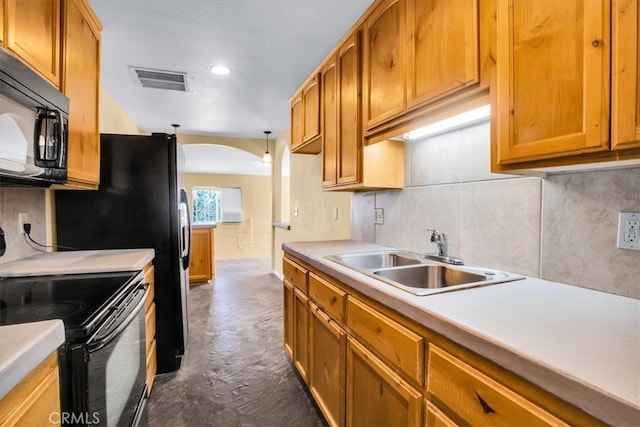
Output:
(439, 238)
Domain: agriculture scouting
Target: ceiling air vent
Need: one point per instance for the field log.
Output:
(158, 79)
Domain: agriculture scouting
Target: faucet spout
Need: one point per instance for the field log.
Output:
(440, 239)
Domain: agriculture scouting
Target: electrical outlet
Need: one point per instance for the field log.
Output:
(23, 218)
(378, 216)
(629, 230)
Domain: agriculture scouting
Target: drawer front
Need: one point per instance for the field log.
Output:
(397, 344)
(328, 297)
(150, 325)
(295, 274)
(478, 399)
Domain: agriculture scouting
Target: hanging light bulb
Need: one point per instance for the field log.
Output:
(266, 158)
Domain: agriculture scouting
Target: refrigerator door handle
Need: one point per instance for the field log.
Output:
(185, 229)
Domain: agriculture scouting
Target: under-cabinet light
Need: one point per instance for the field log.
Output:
(464, 119)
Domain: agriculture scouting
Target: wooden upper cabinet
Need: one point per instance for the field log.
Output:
(349, 111)
(443, 48)
(329, 102)
(296, 121)
(384, 63)
(311, 107)
(305, 118)
(552, 79)
(81, 83)
(33, 34)
(625, 108)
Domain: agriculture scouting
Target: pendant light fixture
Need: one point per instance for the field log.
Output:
(266, 158)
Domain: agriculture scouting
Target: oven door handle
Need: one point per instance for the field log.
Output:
(95, 345)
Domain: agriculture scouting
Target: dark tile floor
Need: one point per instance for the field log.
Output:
(235, 372)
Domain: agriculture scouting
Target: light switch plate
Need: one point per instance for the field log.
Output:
(629, 230)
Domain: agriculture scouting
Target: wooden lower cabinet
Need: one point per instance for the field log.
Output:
(435, 418)
(287, 303)
(327, 351)
(150, 326)
(36, 400)
(300, 334)
(202, 265)
(478, 399)
(367, 365)
(376, 396)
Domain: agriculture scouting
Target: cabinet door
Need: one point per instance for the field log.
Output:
(552, 79)
(442, 54)
(300, 333)
(376, 396)
(349, 133)
(296, 122)
(625, 108)
(329, 122)
(2, 22)
(287, 293)
(81, 83)
(200, 266)
(435, 417)
(384, 63)
(33, 33)
(327, 352)
(311, 107)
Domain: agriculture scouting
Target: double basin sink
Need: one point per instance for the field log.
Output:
(418, 275)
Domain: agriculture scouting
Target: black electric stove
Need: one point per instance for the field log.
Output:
(80, 300)
(102, 363)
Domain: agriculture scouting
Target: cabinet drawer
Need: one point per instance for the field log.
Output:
(331, 299)
(150, 324)
(295, 274)
(478, 399)
(400, 346)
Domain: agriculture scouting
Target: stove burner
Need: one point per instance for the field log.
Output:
(37, 311)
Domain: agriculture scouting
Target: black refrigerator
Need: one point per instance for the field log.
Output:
(141, 203)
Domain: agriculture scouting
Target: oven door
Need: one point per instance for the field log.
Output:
(108, 373)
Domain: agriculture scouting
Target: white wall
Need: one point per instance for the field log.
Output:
(561, 228)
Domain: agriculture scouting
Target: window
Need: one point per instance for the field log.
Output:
(217, 204)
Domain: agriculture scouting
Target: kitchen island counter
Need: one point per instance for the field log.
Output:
(581, 345)
(78, 262)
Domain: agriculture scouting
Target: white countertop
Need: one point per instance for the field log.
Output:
(579, 344)
(23, 347)
(78, 262)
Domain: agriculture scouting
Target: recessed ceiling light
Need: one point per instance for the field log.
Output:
(220, 70)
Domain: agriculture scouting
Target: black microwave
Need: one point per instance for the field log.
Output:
(34, 118)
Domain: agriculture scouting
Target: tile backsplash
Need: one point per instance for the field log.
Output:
(14, 200)
(561, 228)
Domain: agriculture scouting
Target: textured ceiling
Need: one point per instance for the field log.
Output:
(271, 47)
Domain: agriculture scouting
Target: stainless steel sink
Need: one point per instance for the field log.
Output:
(374, 260)
(420, 276)
(430, 276)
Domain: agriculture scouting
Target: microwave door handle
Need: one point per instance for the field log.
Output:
(95, 345)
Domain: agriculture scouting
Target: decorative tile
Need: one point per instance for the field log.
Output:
(580, 220)
(500, 224)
